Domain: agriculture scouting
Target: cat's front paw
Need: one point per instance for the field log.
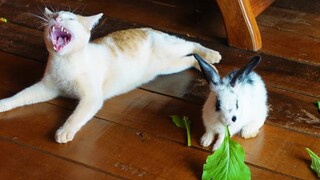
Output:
(65, 134)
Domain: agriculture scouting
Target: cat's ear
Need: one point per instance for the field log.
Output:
(91, 21)
(47, 11)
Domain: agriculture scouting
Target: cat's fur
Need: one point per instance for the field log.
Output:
(106, 67)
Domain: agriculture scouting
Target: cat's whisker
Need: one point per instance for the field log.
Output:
(50, 7)
(77, 8)
(84, 7)
(41, 9)
(57, 9)
(69, 6)
(37, 16)
(43, 12)
(45, 6)
(41, 26)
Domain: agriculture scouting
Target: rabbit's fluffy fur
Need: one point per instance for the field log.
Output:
(239, 101)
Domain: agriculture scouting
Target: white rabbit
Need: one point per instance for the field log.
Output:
(239, 101)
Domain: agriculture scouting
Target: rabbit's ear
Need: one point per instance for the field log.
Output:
(208, 71)
(245, 70)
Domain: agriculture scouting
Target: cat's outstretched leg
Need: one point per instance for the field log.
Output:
(90, 103)
(175, 50)
(178, 54)
(36, 93)
(86, 109)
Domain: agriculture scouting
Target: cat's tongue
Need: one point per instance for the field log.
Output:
(60, 41)
(59, 44)
(60, 37)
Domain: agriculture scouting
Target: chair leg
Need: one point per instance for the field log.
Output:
(241, 26)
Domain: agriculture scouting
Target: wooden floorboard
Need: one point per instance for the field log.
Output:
(106, 149)
(132, 136)
(299, 28)
(310, 6)
(18, 161)
(148, 140)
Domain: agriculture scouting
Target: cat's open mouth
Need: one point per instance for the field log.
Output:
(60, 37)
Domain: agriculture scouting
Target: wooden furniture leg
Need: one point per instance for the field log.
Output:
(240, 22)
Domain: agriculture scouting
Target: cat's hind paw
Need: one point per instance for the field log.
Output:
(64, 135)
(212, 57)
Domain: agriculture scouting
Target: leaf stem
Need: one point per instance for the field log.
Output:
(187, 125)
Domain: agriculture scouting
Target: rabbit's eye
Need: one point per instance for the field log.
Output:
(218, 105)
(237, 106)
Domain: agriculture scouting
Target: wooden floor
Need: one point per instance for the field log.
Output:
(132, 137)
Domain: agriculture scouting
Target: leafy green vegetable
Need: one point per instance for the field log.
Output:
(184, 123)
(315, 161)
(227, 162)
(318, 104)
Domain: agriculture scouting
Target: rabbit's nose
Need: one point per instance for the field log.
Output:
(234, 118)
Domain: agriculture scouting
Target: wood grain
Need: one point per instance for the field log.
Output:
(106, 140)
(310, 6)
(22, 162)
(302, 29)
(192, 18)
(109, 147)
(132, 136)
(306, 24)
(258, 6)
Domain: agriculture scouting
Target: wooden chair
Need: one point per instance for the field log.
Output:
(240, 22)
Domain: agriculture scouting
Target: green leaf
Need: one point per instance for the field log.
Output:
(227, 162)
(183, 123)
(318, 104)
(315, 161)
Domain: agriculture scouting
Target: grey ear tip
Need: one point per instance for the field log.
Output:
(256, 58)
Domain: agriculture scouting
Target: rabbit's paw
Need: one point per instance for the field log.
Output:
(218, 143)
(65, 134)
(207, 139)
(249, 132)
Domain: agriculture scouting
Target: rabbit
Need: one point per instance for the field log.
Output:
(238, 101)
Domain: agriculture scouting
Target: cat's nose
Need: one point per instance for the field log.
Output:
(57, 18)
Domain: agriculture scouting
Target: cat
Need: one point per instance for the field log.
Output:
(106, 67)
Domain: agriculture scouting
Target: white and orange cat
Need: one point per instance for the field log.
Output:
(95, 71)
